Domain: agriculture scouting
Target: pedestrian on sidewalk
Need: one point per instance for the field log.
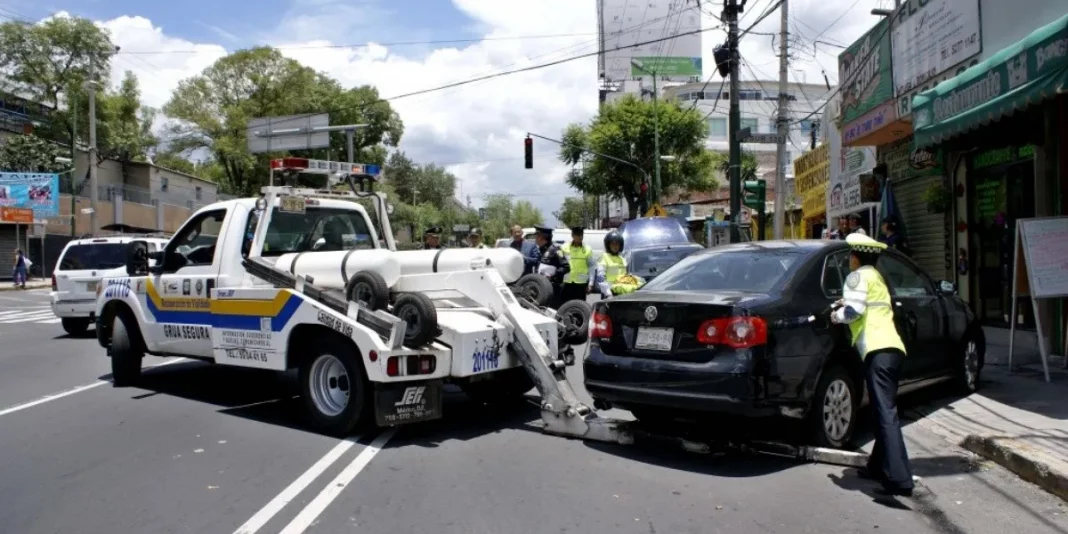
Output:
(19, 272)
(866, 308)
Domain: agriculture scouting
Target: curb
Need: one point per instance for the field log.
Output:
(9, 287)
(1016, 457)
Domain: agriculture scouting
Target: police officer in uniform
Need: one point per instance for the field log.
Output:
(432, 238)
(551, 261)
(579, 280)
(474, 238)
(866, 308)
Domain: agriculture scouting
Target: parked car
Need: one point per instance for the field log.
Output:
(653, 244)
(80, 268)
(727, 331)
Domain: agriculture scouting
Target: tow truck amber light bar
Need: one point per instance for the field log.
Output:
(324, 167)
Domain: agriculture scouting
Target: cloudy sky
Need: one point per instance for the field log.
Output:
(402, 46)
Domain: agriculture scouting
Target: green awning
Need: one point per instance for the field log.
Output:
(1024, 74)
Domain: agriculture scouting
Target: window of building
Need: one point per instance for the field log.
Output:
(199, 193)
(750, 94)
(752, 124)
(717, 127)
(163, 184)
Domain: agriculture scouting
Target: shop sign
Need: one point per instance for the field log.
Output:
(35, 191)
(814, 201)
(847, 192)
(1001, 156)
(930, 37)
(16, 215)
(922, 159)
(1033, 62)
(869, 123)
(903, 161)
(812, 168)
(865, 74)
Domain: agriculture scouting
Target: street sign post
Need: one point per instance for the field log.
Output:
(746, 135)
(290, 132)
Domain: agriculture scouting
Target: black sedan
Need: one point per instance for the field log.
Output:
(744, 330)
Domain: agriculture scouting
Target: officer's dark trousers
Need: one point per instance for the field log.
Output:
(569, 292)
(889, 460)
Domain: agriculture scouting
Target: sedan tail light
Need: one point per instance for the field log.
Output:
(600, 326)
(734, 332)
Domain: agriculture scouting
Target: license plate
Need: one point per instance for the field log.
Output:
(291, 204)
(412, 402)
(650, 338)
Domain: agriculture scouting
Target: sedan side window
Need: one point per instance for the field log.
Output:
(835, 270)
(904, 280)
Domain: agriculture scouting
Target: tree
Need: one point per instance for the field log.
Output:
(418, 183)
(29, 153)
(624, 130)
(749, 164)
(124, 126)
(42, 61)
(502, 213)
(576, 211)
(213, 110)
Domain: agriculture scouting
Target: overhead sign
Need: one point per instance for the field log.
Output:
(625, 23)
(290, 132)
(864, 73)
(35, 191)
(931, 37)
(656, 211)
(746, 135)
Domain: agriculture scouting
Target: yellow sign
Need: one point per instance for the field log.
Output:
(656, 211)
(814, 201)
(812, 169)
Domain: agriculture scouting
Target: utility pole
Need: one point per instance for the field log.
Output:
(91, 86)
(734, 119)
(783, 124)
(73, 174)
(654, 188)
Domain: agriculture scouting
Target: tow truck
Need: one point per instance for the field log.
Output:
(370, 340)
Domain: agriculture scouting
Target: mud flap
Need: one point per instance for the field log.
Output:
(408, 402)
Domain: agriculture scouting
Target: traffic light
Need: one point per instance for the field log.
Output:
(528, 152)
(754, 194)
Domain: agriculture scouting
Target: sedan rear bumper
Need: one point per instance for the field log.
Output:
(701, 388)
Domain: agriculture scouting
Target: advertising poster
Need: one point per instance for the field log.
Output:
(30, 190)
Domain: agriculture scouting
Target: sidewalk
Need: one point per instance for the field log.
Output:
(36, 283)
(1017, 420)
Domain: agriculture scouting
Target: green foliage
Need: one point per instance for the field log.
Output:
(124, 127)
(45, 60)
(625, 130)
(502, 213)
(749, 164)
(422, 196)
(577, 211)
(29, 153)
(214, 109)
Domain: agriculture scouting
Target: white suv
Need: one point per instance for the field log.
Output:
(81, 266)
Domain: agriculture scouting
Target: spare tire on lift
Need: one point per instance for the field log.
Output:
(574, 319)
(536, 288)
(368, 289)
(420, 316)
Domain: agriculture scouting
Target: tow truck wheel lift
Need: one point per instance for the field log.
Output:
(562, 413)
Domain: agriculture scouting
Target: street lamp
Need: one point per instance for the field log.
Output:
(656, 132)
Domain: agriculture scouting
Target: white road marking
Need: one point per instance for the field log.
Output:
(280, 501)
(310, 512)
(72, 391)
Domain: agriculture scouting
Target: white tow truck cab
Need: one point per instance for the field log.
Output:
(80, 268)
(374, 333)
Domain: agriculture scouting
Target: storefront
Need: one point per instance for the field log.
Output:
(1000, 126)
(812, 173)
(918, 182)
(15, 224)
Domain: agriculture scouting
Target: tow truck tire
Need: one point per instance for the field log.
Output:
(837, 399)
(575, 315)
(535, 287)
(334, 388)
(126, 354)
(418, 311)
(369, 289)
(501, 387)
(75, 327)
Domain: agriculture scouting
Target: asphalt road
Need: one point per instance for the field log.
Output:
(208, 449)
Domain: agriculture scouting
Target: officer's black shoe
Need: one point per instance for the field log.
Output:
(891, 491)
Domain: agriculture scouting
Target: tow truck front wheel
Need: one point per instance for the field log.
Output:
(125, 352)
(334, 389)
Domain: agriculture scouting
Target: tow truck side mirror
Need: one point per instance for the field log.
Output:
(137, 256)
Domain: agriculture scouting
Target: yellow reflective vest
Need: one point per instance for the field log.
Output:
(579, 258)
(868, 312)
(614, 269)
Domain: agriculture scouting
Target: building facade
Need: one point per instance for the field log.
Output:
(965, 102)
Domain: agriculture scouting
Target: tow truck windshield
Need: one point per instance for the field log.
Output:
(317, 229)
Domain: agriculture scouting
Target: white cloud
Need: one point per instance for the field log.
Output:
(475, 129)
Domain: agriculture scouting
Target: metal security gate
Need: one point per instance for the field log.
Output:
(8, 243)
(926, 232)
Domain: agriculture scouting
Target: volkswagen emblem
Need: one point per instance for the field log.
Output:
(650, 313)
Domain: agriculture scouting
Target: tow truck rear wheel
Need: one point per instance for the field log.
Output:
(334, 388)
(125, 351)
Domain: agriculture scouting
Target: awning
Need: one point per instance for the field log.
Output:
(1024, 74)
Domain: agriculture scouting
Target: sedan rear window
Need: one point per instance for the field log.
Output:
(95, 256)
(736, 270)
(640, 233)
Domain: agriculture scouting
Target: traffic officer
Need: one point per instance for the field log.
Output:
(612, 267)
(474, 238)
(579, 280)
(865, 306)
(432, 238)
(551, 261)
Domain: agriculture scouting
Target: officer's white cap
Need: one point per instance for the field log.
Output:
(863, 243)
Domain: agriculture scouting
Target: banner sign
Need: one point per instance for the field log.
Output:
(864, 71)
(931, 37)
(31, 190)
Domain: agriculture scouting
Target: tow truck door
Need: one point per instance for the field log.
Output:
(179, 300)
